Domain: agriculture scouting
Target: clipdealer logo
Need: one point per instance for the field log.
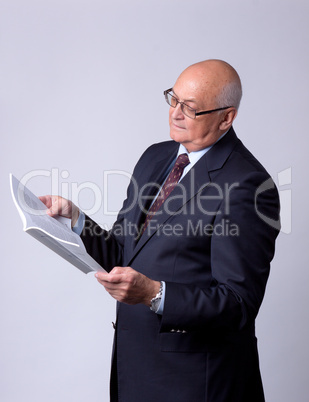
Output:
(59, 185)
(285, 196)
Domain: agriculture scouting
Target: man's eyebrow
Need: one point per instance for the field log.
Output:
(185, 100)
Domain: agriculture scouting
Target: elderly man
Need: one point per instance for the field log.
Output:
(190, 278)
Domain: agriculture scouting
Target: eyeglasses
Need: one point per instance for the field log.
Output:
(187, 110)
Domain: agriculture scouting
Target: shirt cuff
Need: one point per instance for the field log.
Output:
(161, 305)
(79, 225)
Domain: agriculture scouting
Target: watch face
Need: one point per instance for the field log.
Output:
(155, 304)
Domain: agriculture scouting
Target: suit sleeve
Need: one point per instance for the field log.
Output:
(107, 247)
(239, 265)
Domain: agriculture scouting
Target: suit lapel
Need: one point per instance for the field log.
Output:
(220, 152)
(149, 184)
(194, 182)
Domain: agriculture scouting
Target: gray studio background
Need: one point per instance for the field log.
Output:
(82, 93)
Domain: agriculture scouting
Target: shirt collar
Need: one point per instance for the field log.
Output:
(196, 155)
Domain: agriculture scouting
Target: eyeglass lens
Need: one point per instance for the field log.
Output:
(172, 101)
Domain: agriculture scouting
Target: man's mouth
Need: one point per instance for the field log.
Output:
(175, 125)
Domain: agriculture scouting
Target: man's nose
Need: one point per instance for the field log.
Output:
(177, 112)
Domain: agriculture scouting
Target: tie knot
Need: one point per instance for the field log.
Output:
(182, 160)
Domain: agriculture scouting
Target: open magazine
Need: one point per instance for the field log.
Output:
(54, 233)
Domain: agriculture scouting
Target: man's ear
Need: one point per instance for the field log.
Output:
(228, 118)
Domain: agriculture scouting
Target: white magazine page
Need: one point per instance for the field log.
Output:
(54, 233)
(33, 214)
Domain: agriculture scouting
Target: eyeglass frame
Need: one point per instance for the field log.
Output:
(167, 91)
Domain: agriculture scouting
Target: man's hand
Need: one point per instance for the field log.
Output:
(60, 206)
(128, 286)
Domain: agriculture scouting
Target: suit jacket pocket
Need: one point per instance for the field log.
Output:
(182, 341)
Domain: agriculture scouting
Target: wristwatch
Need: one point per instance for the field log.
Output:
(155, 302)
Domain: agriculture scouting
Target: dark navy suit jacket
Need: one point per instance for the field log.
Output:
(213, 248)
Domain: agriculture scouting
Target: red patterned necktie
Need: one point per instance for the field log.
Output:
(181, 162)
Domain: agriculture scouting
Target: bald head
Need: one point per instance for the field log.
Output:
(214, 78)
(204, 87)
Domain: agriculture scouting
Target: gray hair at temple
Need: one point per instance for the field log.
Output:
(231, 94)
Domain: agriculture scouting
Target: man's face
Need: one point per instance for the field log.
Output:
(203, 131)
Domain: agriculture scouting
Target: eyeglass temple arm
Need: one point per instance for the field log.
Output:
(211, 111)
(167, 90)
